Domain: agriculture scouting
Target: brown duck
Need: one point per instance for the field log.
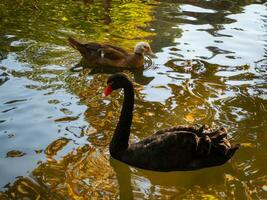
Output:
(171, 149)
(105, 55)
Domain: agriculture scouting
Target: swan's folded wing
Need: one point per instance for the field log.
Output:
(167, 143)
(180, 149)
(206, 139)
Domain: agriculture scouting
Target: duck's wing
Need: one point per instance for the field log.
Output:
(118, 49)
(88, 48)
(109, 52)
(99, 50)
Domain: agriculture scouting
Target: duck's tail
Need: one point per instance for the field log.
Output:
(76, 44)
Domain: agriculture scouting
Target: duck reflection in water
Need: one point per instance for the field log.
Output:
(83, 68)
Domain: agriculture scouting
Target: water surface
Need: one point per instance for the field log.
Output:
(55, 127)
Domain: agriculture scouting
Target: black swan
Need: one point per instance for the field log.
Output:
(177, 148)
(105, 55)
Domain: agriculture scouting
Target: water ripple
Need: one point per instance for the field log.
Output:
(210, 69)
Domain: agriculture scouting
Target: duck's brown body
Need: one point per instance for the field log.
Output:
(105, 55)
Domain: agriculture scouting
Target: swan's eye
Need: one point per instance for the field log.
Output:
(110, 83)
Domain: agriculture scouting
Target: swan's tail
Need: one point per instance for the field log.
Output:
(215, 144)
(222, 145)
(232, 150)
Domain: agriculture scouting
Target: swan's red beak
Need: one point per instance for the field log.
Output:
(107, 90)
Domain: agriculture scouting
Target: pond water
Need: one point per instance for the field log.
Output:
(55, 127)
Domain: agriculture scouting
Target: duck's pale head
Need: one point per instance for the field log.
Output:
(143, 48)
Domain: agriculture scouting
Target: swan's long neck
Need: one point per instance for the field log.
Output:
(121, 135)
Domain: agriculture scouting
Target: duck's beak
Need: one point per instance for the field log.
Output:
(151, 54)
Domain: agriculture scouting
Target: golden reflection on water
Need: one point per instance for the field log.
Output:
(83, 173)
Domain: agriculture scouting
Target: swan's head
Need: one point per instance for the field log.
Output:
(115, 82)
(143, 48)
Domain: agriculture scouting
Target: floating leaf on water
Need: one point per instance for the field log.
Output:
(15, 153)
(67, 119)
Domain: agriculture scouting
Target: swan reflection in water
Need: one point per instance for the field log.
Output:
(138, 183)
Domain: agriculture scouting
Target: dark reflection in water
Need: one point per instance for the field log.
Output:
(55, 127)
(172, 184)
